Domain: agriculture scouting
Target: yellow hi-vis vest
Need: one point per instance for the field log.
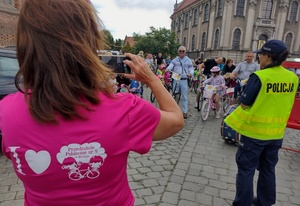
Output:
(266, 119)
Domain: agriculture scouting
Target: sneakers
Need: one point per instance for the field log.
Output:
(196, 105)
(218, 115)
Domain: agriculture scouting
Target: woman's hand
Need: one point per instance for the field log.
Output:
(141, 70)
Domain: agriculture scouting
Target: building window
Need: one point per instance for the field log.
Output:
(186, 21)
(184, 41)
(294, 10)
(220, 8)
(203, 43)
(206, 12)
(193, 42)
(240, 7)
(179, 24)
(236, 39)
(216, 42)
(288, 41)
(267, 9)
(195, 22)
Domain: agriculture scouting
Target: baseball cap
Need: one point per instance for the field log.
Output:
(273, 46)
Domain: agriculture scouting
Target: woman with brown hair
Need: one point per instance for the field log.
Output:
(228, 68)
(67, 134)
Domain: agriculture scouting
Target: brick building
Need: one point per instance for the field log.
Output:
(9, 12)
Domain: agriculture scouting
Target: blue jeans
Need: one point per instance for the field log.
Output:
(183, 86)
(261, 155)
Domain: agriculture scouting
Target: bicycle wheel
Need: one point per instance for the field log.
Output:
(226, 104)
(205, 110)
(176, 96)
(196, 85)
(199, 100)
(152, 97)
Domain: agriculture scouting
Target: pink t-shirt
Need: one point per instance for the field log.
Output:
(78, 162)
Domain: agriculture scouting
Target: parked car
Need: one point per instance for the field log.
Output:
(8, 68)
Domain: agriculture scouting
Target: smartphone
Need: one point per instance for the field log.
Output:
(115, 63)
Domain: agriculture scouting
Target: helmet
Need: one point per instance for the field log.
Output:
(162, 66)
(215, 69)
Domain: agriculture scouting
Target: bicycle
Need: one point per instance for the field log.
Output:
(168, 87)
(227, 98)
(199, 97)
(176, 92)
(79, 174)
(195, 84)
(242, 84)
(208, 104)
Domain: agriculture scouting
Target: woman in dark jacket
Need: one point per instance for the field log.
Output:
(229, 66)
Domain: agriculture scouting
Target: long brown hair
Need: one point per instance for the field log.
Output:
(57, 43)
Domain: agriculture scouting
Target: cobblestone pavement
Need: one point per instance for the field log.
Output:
(193, 168)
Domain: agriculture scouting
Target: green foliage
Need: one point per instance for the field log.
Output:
(118, 45)
(127, 48)
(160, 40)
(109, 40)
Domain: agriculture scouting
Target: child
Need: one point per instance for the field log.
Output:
(216, 80)
(165, 74)
(135, 87)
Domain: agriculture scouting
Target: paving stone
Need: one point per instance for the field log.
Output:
(170, 197)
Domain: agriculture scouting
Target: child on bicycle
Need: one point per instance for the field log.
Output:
(164, 74)
(135, 87)
(216, 80)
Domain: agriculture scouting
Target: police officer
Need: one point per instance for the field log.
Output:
(261, 119)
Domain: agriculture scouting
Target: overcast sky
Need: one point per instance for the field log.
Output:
(124, 17)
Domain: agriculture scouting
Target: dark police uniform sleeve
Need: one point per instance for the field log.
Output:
(251, 91)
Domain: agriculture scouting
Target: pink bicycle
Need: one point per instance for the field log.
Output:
(208, 104)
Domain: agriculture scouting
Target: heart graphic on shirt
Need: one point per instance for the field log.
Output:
(38, 161)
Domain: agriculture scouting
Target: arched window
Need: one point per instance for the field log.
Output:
(216, 41)
(262, 40)
(236, 39)
(195, 22)
(220, 8)
(206, 12)
(267, 9)
(193, 42)
(288, 41)
(240, 7)
(203, 43)
(186, 21)
(184, 41)
(179, 23)
(294, 10)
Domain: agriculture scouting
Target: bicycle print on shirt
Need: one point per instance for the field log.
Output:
(82, 161)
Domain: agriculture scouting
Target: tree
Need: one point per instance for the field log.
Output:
(118, 44)
(109, 40)
(127, 48)
(160, 40)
